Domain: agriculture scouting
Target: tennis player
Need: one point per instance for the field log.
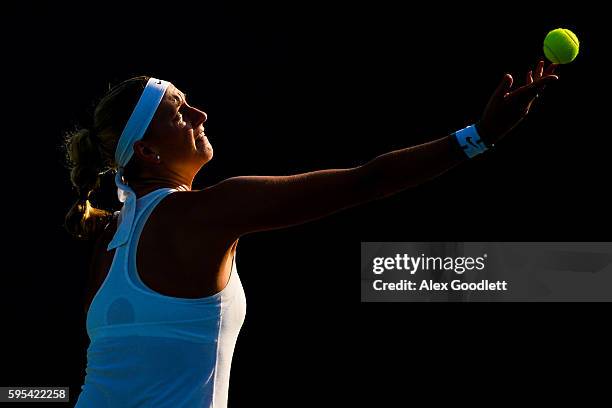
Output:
(165, 303)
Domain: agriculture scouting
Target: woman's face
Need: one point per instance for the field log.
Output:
(176, 134)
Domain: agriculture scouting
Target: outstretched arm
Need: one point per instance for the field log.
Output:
(256, 203)
(241, 205)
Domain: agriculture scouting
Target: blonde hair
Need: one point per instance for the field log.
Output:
(90, 153)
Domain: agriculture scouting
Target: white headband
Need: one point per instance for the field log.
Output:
(134, 130)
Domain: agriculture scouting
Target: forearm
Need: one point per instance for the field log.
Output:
(400, 169)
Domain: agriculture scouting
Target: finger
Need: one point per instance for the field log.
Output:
(530, 91)
(529, 77)
(504, 86)
(541, 83)
(550, 70)
(540, 69)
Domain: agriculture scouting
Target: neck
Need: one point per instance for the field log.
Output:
(142, 186)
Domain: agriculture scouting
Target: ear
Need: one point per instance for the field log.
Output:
(144, 152)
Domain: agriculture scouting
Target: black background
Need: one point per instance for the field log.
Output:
(295, 89)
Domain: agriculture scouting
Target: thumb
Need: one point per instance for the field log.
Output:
(504, 86)
(530, 91)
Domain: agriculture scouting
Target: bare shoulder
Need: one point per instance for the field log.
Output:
(185, 211)
(196, 206)
(193, 214)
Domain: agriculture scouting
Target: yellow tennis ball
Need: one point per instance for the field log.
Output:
(561, 46)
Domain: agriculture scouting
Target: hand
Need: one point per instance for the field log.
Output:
(506, 108)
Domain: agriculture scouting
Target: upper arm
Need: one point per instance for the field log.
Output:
(241, 205)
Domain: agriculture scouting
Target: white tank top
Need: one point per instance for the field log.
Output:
(152, 350)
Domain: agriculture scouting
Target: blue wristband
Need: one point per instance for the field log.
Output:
(469, 140)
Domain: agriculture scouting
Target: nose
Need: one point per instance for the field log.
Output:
(199, 117)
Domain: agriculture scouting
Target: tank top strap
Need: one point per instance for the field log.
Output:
(144, 208)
